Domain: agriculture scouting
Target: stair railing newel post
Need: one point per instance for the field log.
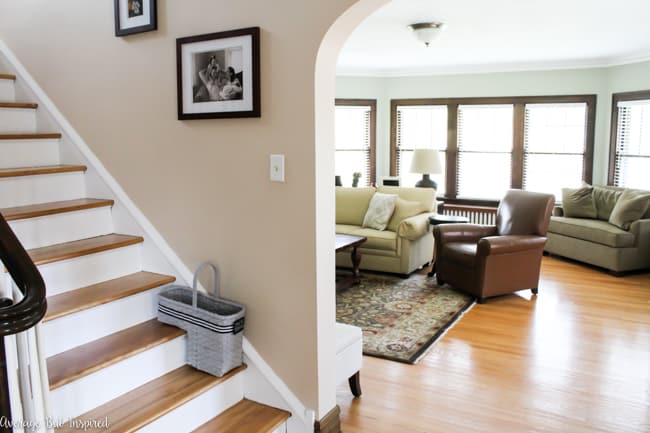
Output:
(18, 317)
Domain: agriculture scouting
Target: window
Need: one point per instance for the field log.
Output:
(355, 140)
(484, 151)
(554, 147)
(536, 143)
(630, 142)
(420, 127)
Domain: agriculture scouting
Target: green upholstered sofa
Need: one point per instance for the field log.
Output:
(597, 242)
(407, 242)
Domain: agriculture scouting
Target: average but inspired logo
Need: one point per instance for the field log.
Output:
(73, 423)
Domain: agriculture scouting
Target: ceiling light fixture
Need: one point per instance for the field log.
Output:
(426, 32)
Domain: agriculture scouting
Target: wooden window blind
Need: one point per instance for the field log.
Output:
(632, 146)
(354, 141)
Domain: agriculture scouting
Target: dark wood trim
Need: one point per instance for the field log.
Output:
(519, 103)
(393, 136)
(330, 423)
(588, 165)
(469, 202)
(613, 126)
(451, 163)
(517, 170)
(372, 103)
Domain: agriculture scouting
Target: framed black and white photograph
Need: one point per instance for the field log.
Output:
(135, 16)
(219, 75)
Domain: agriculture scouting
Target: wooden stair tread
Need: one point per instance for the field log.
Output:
(7, 77)
(102, 293)
(70, 250)
(145, 404)
(29, 105)
(91, 357)
(34, 171)
(246, 417)
(39, 136)
(56, 207)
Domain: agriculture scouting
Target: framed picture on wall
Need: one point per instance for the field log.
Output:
(135, 16)
(218, 75)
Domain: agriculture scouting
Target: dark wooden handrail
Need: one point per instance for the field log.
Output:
(31, 309)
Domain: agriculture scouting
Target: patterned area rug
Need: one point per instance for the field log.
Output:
(400, 318)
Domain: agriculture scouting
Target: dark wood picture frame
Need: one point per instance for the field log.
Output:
(152, 25)
(251, 93)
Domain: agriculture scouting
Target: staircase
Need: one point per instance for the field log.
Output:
(108, 359)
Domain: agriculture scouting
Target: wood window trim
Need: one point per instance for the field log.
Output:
(519, 103)
(613, 126)
(372, 103)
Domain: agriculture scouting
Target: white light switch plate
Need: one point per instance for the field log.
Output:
(277, 168)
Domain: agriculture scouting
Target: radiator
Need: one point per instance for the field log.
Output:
(476, 214)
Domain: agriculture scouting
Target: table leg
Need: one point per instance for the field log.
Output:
(355, 255)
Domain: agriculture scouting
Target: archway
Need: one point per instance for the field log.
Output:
(324, 88)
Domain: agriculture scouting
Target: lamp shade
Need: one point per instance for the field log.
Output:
(426, 161)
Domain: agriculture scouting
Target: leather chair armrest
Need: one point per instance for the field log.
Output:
(509, 244)
(447, 233)
(413, 228)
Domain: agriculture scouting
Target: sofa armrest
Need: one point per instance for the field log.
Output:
(447, 233)
(509, 244)
(558, 211)
(641, 231)
(413, 228)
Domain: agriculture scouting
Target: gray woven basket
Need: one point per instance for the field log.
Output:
(214, 326)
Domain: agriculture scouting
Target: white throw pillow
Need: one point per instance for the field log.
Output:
(379, 211)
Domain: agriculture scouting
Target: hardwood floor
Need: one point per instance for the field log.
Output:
(574, 359)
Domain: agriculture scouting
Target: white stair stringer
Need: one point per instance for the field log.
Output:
(200, 409)
(7, 90)
(88, 392)
(29, 153)
(63, 227)
(91, 269)
(94, 323)
(43, 188)
(17, 120)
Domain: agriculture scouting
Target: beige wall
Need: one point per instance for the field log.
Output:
(204, 184)
(599, 81)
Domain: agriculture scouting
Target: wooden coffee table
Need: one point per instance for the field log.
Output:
(344, 242)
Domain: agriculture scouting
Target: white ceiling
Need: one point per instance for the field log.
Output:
(499, 35)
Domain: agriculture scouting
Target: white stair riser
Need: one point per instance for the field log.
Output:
(73, 330)
(7, 91)
(91, 269)
(26, 190)
(63, 227)
(29, 153)
(281, 429)
(88, 392)
(199, 410)
(17, 121)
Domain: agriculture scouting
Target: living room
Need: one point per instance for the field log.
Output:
(517, 356)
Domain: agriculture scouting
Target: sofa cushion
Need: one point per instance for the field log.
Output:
(605, 199)
(630, 207)
(404, 209)
(579, 203)
(600, 232)
(380, 210)
(377, 240)
(346, 229)
(426, 196)
(352, 204)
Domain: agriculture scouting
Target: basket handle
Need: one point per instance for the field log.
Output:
(196, 280)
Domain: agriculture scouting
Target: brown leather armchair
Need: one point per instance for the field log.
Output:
(496, 260)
